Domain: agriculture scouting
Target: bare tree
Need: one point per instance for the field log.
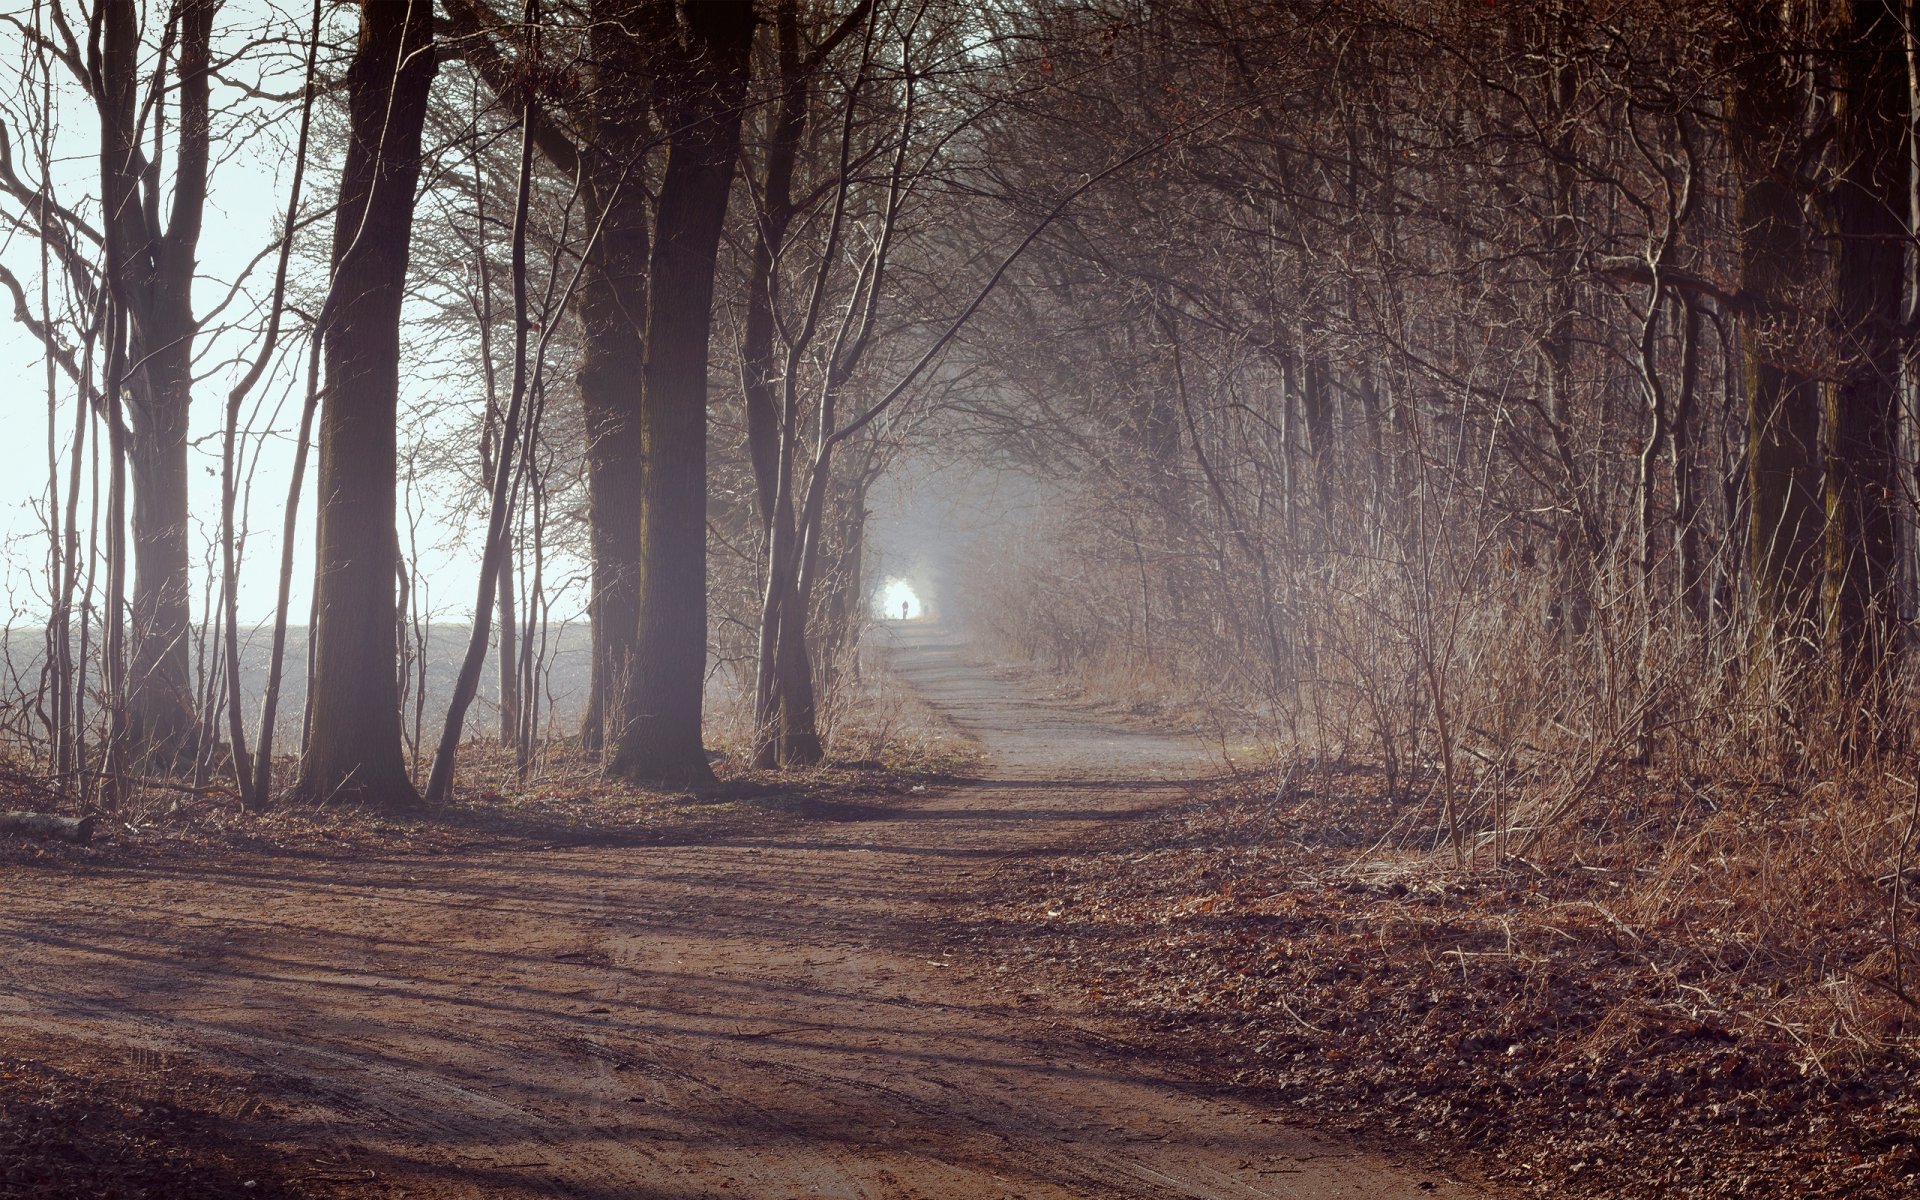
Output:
(699, 98)
(353, 748)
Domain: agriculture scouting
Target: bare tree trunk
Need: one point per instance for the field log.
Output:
(1909, 449)
(770, 434)
(509, 649)
(82, 775)
(58, 662)
(1861, 429)
(534, 631)
(1689, 569)
(70, 737)
(612, 307)
(276, 655)
(255, 780)
(608, 150)
(660, 736)
(498, 547)
(160, 698)
(1569, 594)
(113, 651)
(1783, 483)
(840, 612)
(800, 744)
(150, 273)
(354, 747)
(613, 312)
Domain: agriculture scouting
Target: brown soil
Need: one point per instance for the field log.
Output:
(755, 1013)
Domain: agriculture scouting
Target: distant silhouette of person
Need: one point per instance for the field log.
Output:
(904, 606)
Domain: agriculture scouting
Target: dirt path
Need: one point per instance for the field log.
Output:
(761, 1016)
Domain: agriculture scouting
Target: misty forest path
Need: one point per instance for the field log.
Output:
(761, 1016)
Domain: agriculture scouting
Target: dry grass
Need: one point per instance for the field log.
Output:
(1673, 950)
(1687, 1005)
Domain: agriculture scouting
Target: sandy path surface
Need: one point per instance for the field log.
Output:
(763, 1016)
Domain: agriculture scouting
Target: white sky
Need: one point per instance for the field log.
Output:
(247, 198)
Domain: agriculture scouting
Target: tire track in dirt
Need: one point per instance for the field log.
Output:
(766, 1016)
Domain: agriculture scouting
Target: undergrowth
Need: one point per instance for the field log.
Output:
(883, 745)
(1691, 992)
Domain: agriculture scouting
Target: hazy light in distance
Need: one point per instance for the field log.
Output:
(894, 596)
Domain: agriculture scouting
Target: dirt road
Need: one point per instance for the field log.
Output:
(764, 1016)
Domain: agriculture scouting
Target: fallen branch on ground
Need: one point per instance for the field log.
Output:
(78, 830)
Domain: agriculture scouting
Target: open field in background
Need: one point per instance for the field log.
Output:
(880, 734)
(566, 674)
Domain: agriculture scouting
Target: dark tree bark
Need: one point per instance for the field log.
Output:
(700, 97)
(785, 730)
(767, 388)
(608, 135)
(151, 277)
(255, 787)
(354, 743)
(846, 581)
(761, 375)
(1862, 428)
(160, 717)
(612, 308)
(1689, 564)
(1778, 276)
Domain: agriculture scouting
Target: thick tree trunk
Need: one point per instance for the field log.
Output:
(766, 390)
(609, 141)
(1862, 428)
(612, 304)
(354, 744)
(1689, 567)
(660, 736)
(800, 744)
(840, 613)
(150, 274)
(1783, 495)
(1766, 109)
(161, 723)
(613, 312)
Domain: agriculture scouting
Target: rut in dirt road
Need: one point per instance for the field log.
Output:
(761, 1016)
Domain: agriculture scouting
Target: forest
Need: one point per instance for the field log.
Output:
(960, 597)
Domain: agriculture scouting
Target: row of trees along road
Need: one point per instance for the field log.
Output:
(666, 150)
(1506, 392)
(1529, 383)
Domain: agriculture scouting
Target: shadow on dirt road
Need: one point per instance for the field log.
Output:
(748, 1016)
